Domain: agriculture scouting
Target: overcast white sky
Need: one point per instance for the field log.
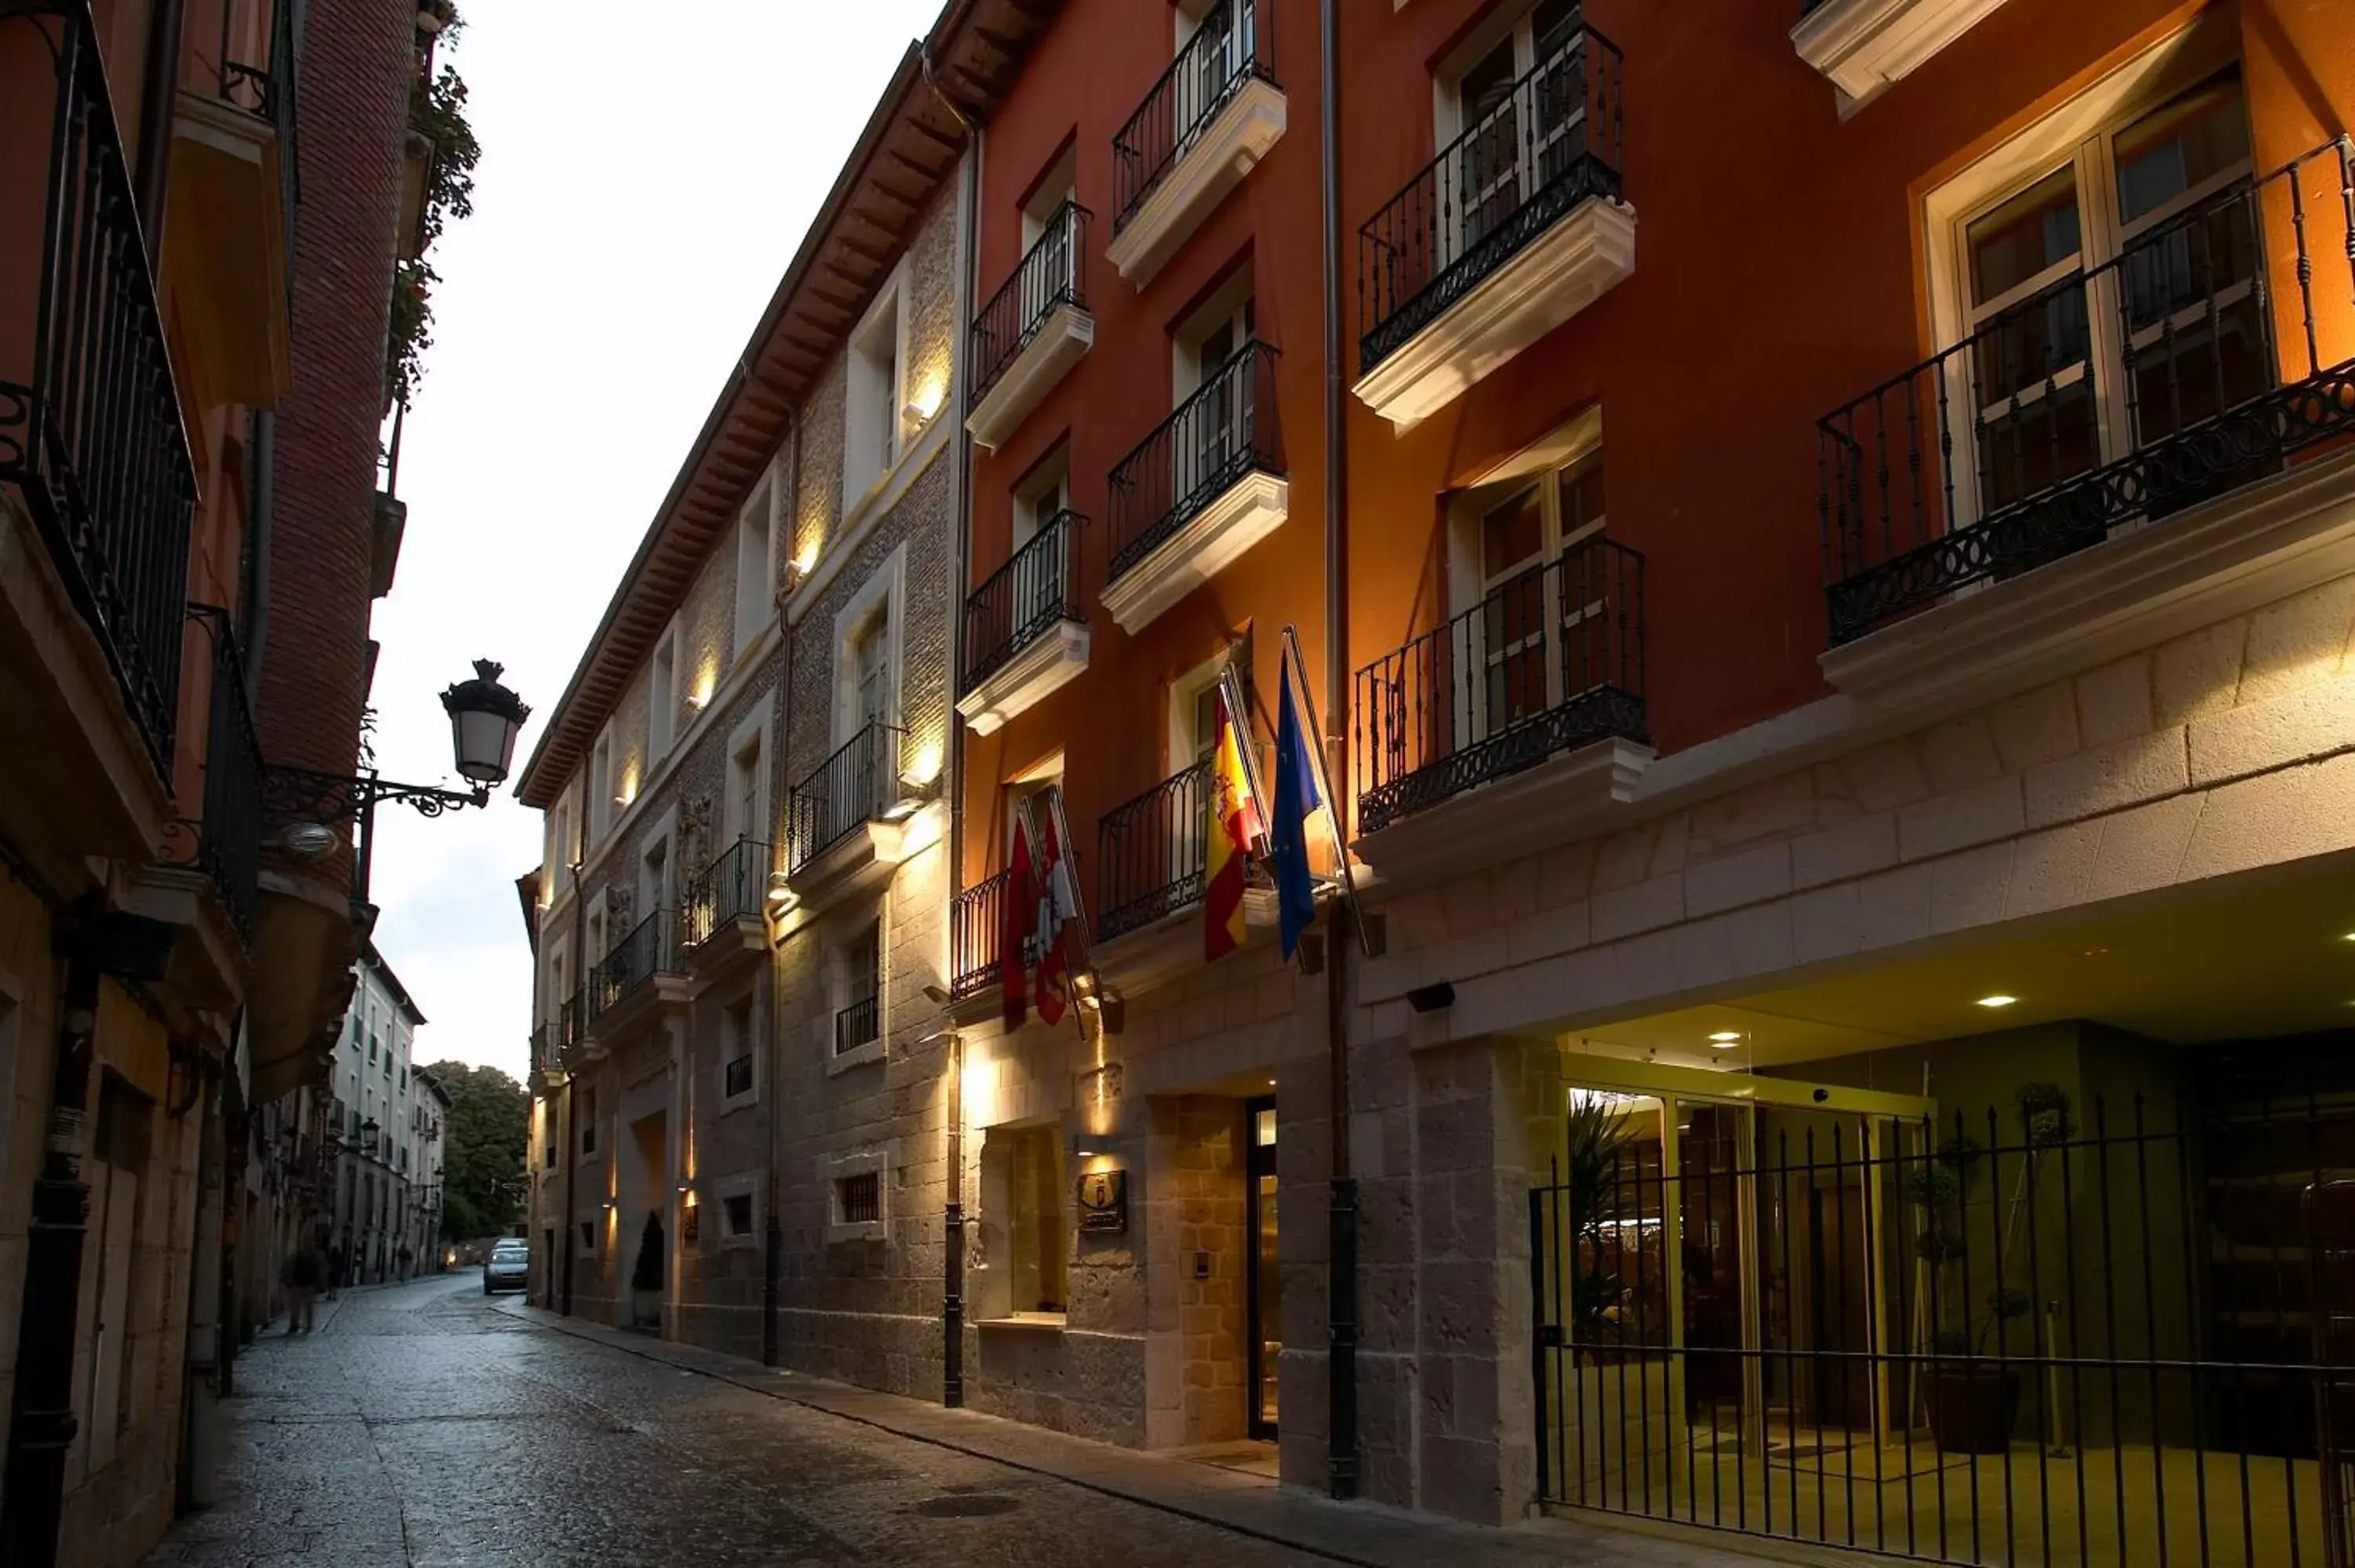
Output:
(646, 175)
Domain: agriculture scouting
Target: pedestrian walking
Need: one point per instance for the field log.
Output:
(405, 1255)
(299, 1275)
(338, 1260)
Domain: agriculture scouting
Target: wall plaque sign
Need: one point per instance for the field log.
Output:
(1103, 1202)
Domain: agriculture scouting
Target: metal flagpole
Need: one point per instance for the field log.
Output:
(1045, 891)
(1239, 713)
(1325, 787)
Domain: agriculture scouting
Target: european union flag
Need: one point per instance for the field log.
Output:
(1296, 796)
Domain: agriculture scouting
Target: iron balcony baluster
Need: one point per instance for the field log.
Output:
(846, 791)
(1052, 274)
(2209, 400)
(1554, 141)
(976, 923)
(1233, 45)
(1037, 589)
(1227, 428)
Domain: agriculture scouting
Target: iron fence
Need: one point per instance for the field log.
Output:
(1551, 660)
(977, 924)
(1550, 144)
(730, 888)
(651, 947)
(1150, 852)
(847, 791)
(858, 1023)
(1035, 591)
(1225, 429)
(1233, 45)
(1052, 274)
(2189, 364)
(2050, 1333)
(95, 441)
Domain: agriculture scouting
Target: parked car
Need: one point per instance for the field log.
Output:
(509, 1267)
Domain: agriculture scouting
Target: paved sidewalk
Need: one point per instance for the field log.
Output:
(1366, 1534)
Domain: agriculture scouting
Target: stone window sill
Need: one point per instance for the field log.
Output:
(1047, 1322)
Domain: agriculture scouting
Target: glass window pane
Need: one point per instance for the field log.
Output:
(2033, 230)
(1511, 535)
(2191, 138)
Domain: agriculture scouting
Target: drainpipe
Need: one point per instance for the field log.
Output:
(773, 1240)
(952, 1046)
(1341, 1284)
(263, 456)
(571, 1130)
(156, 99)
(41, 1425)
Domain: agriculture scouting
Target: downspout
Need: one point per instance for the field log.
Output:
(571, 1130)
(1341, 1284)
(772, 1238)
(953, 1044)
(156, 99)
(255, 612)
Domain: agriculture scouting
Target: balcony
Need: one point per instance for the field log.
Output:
(1033, 330)
(1515, 227)
(847, 822)
(724, 901)
(93, 445)
(1201, 489)
(1207, 123)
(230, 213)
(1862, 46)
(1542, 683)
(619, 979)
(977, 921)
(2133, 412)
(1151, 854)
(1025, 632)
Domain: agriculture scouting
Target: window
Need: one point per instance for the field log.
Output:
(870, 671)
(654, 877)
(589, 1237)
(600, 787)
(743, 808)
(1215, 436)
(736, 1049)
(736, 1216)
(560, 844)
(371, 1050)
(1023, 1174)
(355, 1031)
(859, 1199)
(2064, 374)
(873, 424)
(588, 1122)
(1056, 186)
(1518, 140)
(755, 563)
(866, 659)
(662, 696)
(1044, 490)
(1521, 535)
(858, 1022)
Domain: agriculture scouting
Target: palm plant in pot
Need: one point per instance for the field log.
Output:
(1972, 1393)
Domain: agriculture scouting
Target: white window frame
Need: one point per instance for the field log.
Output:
(751, 735)
(1058, 185)
(662, 696)
(756, 561)
(599, 785)
(875, 1160)
(2079, 132)
(883, 593)
(870, 456)
(1042, 492)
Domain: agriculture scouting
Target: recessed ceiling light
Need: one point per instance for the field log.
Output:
(2096, 951)
(1998, 1001)
(2349, 938)
(1726, 1039)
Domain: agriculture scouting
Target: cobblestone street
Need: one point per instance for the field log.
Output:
(424, 1424)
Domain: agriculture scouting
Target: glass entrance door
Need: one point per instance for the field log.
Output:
(1264, 1331)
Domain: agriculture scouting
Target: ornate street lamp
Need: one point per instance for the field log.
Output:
(368, 1132)
(306, 805)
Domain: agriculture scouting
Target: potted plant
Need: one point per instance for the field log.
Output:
(1973, 1396)
(646, 1278)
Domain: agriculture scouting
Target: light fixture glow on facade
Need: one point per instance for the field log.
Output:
(1998, 1000)
(1726, 1039)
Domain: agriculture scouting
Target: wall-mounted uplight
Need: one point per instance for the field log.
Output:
(804, 560)
(927, 400)
(781, 892)
(923, 765)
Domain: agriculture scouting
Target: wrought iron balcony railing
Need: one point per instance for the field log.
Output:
(650, 948)
(227, 842)
(1151, 853)
(849, 789)
(265, 91)
(94, 440)
(860, 1023)
(1550, 144)
(730, 889)
(977, 924)
(1551, 660)
(1052, 274)
(1034, 591)
(1234, 44)
(572, 1019)
(2189, 364)
(1225, 429)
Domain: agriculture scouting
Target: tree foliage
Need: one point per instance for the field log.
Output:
(483, 1152)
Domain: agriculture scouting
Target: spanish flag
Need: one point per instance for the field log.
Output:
(1234, 822)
